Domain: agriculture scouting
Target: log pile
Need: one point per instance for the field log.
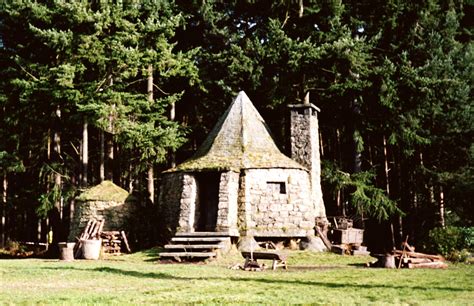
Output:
(112, 242)
(414, 260)
(408, 258)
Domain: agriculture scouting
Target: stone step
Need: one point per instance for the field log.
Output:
(194, 246)
(200, 239)
(360, 253)
(203, 234)
(188, 254)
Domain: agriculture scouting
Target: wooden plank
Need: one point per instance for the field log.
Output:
(187, 254)
(326, 241)
(200, 239)
(264, 255)
(116, 233)
(403, 253)
(125, 241)
(193, 246)
(203, 234)
(279, 260)
(101, 227)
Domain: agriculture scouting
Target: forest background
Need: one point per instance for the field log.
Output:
(122, 90)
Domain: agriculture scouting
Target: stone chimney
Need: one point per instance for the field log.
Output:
(304, 144)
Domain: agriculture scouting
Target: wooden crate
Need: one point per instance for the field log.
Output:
(349, 236)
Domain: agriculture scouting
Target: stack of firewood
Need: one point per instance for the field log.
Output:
(91, 232)
(408, 258)
(413, 260)
(112, 242)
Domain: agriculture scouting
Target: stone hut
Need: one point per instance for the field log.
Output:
(104, 201)
(240, 184)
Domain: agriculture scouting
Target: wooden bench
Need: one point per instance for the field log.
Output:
(279, 260)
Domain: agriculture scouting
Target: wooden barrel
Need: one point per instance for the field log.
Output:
(91, 248)
(66, 251)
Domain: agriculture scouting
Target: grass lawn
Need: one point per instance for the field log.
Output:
(311, 278)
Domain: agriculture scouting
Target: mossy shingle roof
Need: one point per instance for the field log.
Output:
(105, 191)
(239, 140)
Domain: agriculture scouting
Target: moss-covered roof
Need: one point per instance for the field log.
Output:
(105, 191)
(240, 140)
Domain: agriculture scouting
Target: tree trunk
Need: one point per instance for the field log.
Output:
(338, 149)
(130, 178)
(321, 144)
(85, 153)
(102, 156)
(172, 118)
(441, 207)
(413, 218)
(301, 8)
(151, 184)
(357, 157)
(109, 145)
(431, 194)
(108, 137)
(4, 236)
(400, 195)
(150, 172)
(386, 168)
(57, 158)
(57, 232)
(387, 187)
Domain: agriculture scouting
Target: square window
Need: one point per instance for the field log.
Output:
(276, 187)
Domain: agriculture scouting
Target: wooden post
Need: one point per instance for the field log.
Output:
(403, 252)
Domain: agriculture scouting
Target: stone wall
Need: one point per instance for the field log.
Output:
(188, 202)
(228, 195)
(169, 200)
(304, 133)
(276, 203)
(116, 214)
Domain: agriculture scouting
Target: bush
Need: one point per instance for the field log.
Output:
(455, 243)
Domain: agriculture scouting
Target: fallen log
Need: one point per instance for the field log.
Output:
(431, 265)
(416, 260)
(418, 255)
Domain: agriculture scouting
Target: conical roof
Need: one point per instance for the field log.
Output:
(239, 140)
(105, 191)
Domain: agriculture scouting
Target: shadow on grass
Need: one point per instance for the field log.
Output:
(358, 265)
(283, 281)
(131, 273)
(152, 254)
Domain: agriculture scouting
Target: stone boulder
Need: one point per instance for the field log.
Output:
(313, 244)
(247, 244)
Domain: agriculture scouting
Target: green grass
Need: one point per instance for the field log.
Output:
(311, 278)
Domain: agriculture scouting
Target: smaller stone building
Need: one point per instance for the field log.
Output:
(104, 201)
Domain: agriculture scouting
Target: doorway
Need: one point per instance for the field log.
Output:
(208, 199)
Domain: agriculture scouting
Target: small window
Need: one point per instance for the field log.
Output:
(276, 187)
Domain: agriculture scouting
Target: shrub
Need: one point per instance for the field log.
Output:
(455, 243)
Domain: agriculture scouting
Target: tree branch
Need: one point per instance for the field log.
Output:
(24, 70)
(161, 90)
